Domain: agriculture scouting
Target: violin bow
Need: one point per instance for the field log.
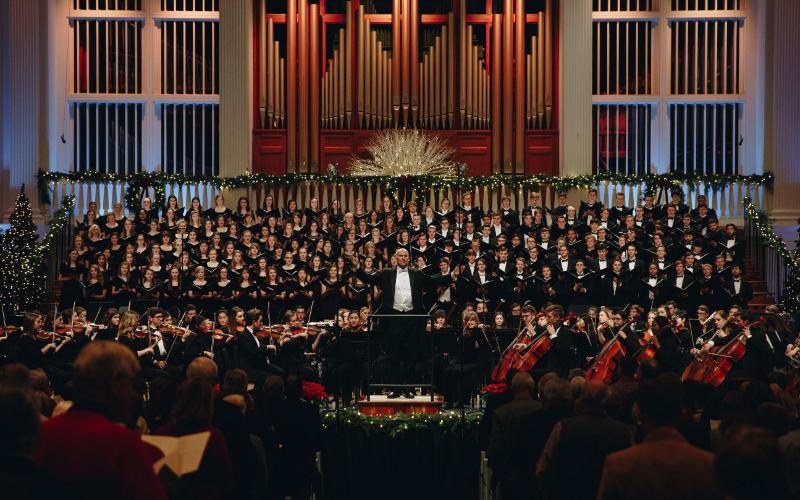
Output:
(213, 327)
(269, 323)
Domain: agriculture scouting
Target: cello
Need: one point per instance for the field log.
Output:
(712, 366)
(539, 345)
(721, 360)
(511, 354)
(696, 370)
(605, 363)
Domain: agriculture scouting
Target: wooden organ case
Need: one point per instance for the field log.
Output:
(480, 73)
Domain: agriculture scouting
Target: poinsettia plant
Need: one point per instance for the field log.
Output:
(498, 388)
(314, 392)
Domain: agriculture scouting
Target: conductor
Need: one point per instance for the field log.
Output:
(402, 289)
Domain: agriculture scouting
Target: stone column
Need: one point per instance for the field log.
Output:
(782, 148)
(235, 88)
(21, 25)
(575, 84)
(575, 81)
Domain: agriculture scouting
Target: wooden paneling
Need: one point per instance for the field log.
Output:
(541, 153)
(269, 152)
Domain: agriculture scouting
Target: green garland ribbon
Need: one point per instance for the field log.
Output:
(137, 183)
(399, 423)
(762, 224)
(791, 292)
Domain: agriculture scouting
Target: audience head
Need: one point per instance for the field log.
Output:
(203, 368)
(274, 388)
(748, 465)
(104, 377)
(194, 406)
(522, 385)
(594, 396)
(660, 401)
(19, 422)
(235, 382)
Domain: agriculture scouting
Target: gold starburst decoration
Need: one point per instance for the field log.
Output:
(405, 152)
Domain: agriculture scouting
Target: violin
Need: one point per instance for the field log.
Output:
(63, 329)
(5, 330)
(48, 336)
(143, 332)
(219, 335)
(178, 331)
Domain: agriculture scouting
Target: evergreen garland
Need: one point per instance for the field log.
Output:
(137, 183)
(399, 423)
(791, 292)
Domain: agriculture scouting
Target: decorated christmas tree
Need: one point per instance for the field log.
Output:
(21, 282)
(791, 291)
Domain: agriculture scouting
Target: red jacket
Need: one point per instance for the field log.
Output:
(99, 458)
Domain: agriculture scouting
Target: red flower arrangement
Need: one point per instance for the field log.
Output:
(494, 388)
(313, 391)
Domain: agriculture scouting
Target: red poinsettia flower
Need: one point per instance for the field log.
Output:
(314, 391)
(494, 388)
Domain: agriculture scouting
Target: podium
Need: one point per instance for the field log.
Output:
(373, 385)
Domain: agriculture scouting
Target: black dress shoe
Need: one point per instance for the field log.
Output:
(408, 395)
(394, 395)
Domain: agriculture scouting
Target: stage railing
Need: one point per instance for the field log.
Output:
(766, 259)
(58, 251)
(485, 492)
(726, 200)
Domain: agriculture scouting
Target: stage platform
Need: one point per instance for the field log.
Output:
(381, 405)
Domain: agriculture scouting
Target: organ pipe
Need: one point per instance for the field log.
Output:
(413, 58)
(314, 117)
(302, 63)
(496, 41)
(343, 70)
(262, 65)
(468, 78)
(451, 61)
(462, 63)
(548, 60)
(360, 66)
(405, 50)
(540, 72)
(269, 73)
(291, 85)
(396, 60)
(348, 62)
(508, 84)
(519, 81)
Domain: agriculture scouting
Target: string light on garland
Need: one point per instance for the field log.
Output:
(762, 225)
(395, 425)
(791, 292)
(136, 183)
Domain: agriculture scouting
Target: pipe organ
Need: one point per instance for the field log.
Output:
(478, 73)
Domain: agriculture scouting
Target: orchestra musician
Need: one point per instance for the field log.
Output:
(313, 261)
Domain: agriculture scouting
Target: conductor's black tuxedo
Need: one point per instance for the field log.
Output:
(403, 330)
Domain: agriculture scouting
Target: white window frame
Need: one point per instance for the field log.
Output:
(661, 98)
(61, 24)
